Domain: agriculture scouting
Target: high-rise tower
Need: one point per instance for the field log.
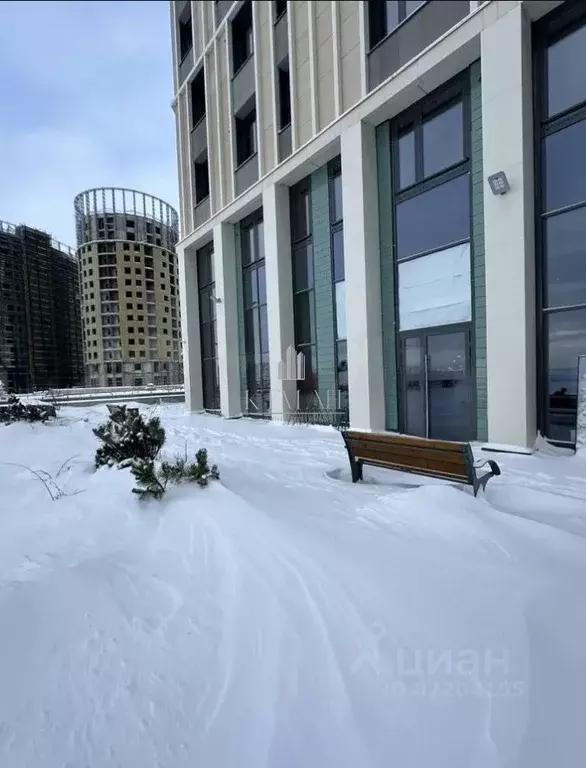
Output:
(129, 292)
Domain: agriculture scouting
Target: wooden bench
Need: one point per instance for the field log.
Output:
(434, 458)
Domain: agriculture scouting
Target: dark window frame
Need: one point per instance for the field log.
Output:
(379, 26)
(279, 10)
(246, 144)
(252, 271)
(443, 98)
(206, 289)
(201, 180)
(284, 99)
(336, 226)
(434, 103)
(197, 95)
(297, 194)
(415, 118)
(184, 36)
(242, 34)
(548, 31)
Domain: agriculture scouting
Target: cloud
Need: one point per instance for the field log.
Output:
(85, 91)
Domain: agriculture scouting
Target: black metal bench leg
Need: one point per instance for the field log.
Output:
(480, 483)
(356, 469)
(355, 466)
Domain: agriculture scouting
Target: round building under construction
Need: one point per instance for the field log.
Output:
(129, 288)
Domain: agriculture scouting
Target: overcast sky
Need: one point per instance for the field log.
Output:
(85, 92)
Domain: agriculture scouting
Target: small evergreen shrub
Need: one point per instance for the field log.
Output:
(126, 437)
(15, 410)
(152, 481)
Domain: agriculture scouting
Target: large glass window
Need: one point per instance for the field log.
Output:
(565, 166)
(431, 143)
(337, 211)
(301, 212)
(443, 140)
(566, 65)
(303, 288)
(207, 327)
(185, 34)
(242, 36)
(303, 266)
(406, 150)
(339, 278)
(566, 335)
(431, 179)
(565, 245)
(256, 337)
(434, 219)
(562, 119)
(385, 15)
(338, 253)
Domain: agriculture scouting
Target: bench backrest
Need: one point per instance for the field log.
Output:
(437, 458)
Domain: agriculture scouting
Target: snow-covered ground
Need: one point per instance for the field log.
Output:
(284, 617)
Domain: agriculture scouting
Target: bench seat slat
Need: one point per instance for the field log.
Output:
(421, 463)
(420, 471)
(406, 453)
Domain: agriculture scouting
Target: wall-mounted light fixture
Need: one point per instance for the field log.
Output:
(499, 184)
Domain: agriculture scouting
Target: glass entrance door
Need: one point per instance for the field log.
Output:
(437, 384)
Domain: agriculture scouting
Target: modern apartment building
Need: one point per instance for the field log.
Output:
(396, 189)
(40, 327)
(129, 294)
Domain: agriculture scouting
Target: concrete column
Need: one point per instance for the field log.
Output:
(363, 278)
(189, 298)
(279, 282)
(507, 130)
(227, 319)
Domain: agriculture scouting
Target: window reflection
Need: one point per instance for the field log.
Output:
(207, 323)
(566, 65)
(338, 254)
(565, 167)
(303, 267)
(406, 147)
(445, 209)
(567, 339)
(337, 212)
(443, 140)
(255, 318)
(565, 236)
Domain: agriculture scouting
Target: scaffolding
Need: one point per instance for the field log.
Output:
(40, 321)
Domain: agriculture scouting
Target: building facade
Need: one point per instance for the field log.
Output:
(394, 189)
(40, 326)
(129, 294)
